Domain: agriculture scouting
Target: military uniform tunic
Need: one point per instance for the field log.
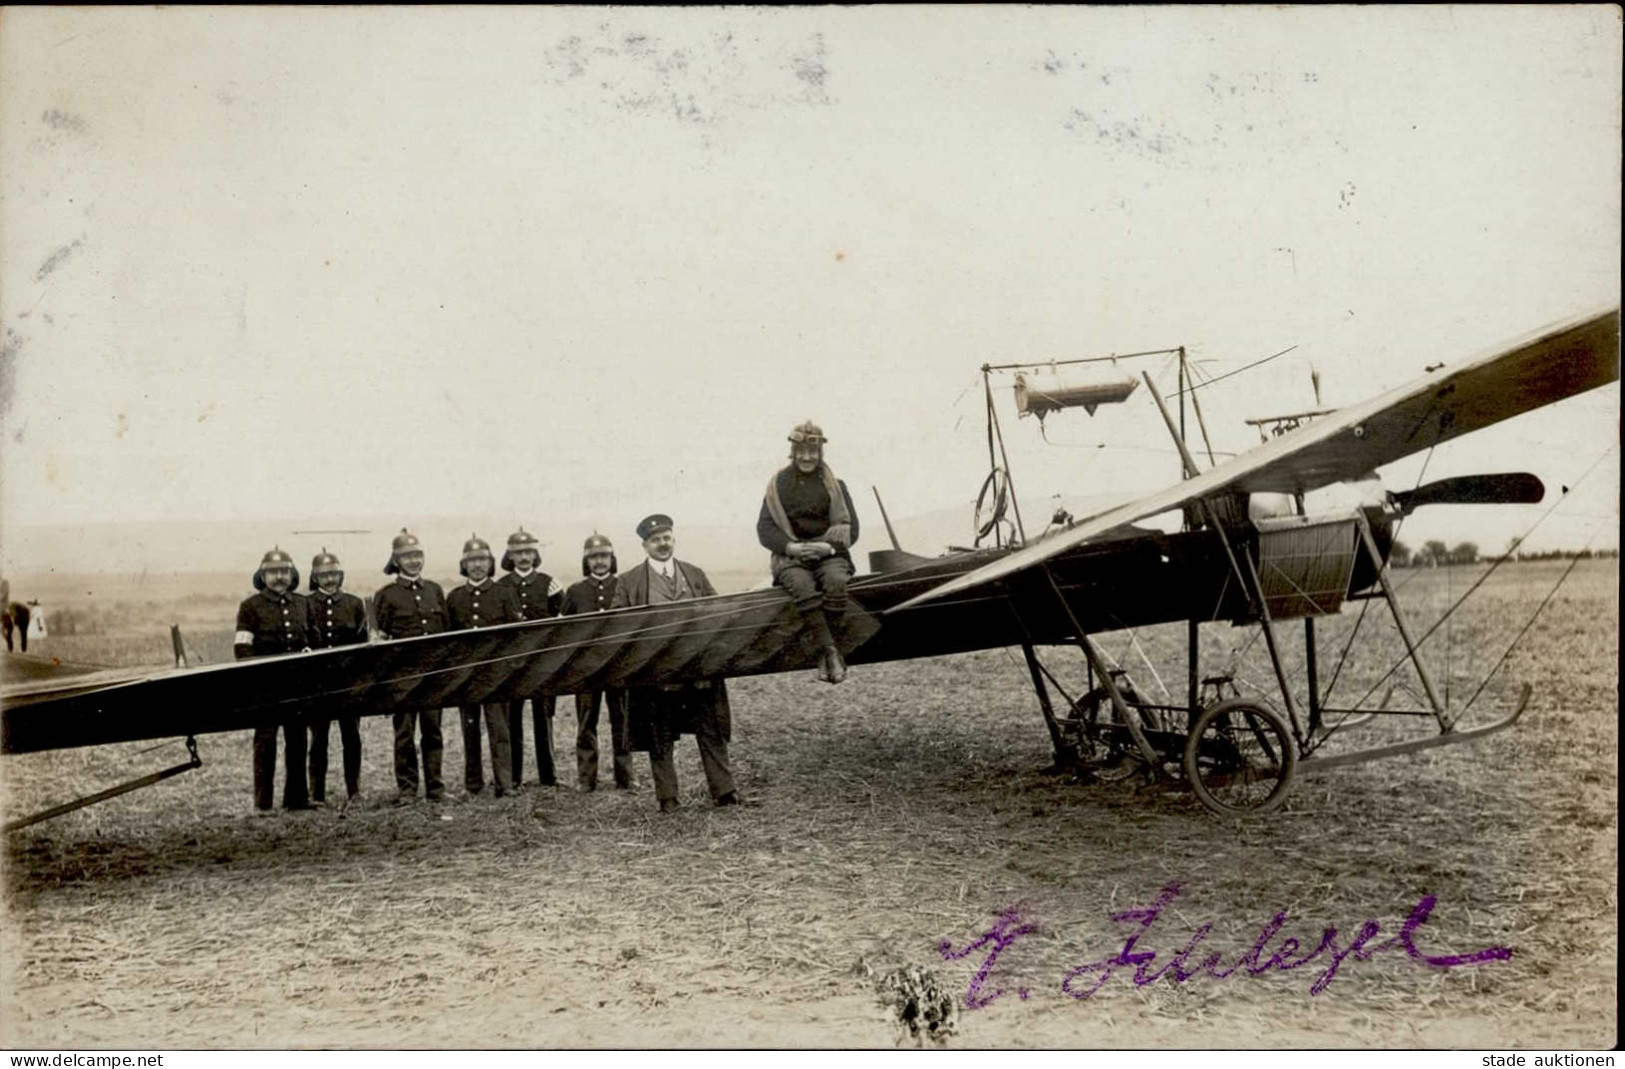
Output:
(482, 606)
(540, 597)
(270, 624)
(590, 595)
(593, 594)
(539, 594)
(339, 619)
(470, 606)
(407, 608)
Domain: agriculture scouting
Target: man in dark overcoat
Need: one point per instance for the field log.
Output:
(657, 716)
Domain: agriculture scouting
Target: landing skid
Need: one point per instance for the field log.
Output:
(1316, 764)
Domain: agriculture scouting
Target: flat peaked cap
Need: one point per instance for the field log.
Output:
(476, 547)
(808, 431)
(597, 543)
(653, 525)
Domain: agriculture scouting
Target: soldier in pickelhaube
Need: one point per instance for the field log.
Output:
(276, 620)
(338, 619)
(480, 602)
(596, 593)
(809, 525)
(407, 607)
(540, 596)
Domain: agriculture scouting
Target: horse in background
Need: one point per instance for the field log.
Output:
(17, 615)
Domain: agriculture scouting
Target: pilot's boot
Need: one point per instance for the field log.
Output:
(835, 665)
(812, 615)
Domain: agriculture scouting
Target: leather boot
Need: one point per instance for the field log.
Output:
(837, 666)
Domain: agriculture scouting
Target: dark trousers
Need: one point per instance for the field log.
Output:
(350, 740)
(496, 726)
(713, 758)
(587, 738)
(819, 593)
(18, 615)
(406, 754)
(541, 716)
(294, 795)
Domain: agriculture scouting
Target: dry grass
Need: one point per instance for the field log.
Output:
(896, 811)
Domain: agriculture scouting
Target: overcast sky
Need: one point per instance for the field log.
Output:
(312, 265)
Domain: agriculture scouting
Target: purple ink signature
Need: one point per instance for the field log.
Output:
(1083, 981)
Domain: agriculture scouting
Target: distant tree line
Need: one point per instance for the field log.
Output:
(1434, 553)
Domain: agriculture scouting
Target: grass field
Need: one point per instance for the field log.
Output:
(901, 809)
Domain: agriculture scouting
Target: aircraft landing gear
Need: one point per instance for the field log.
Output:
(1239, 758)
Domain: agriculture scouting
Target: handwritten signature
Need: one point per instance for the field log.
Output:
(1083, 981)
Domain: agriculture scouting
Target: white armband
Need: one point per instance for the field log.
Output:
(244, 638)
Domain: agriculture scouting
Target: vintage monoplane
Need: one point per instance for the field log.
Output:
(1098, 574)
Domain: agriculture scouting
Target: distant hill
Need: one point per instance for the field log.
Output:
(49, 556)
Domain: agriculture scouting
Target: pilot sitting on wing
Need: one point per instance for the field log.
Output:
(808, 523)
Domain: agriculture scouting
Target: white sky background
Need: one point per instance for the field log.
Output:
(311, 265)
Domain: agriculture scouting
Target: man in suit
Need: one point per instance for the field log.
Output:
(410, 606)
(657, 716)
(338, 619)
(276, 620)
(540, 597)
(809, 525)
(596, 593)
(483, 603)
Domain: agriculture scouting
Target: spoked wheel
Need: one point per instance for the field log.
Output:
(1239, 758)
(1103, 740)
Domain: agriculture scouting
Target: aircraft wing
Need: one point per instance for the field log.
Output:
(725, 635)
(1539, 369)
